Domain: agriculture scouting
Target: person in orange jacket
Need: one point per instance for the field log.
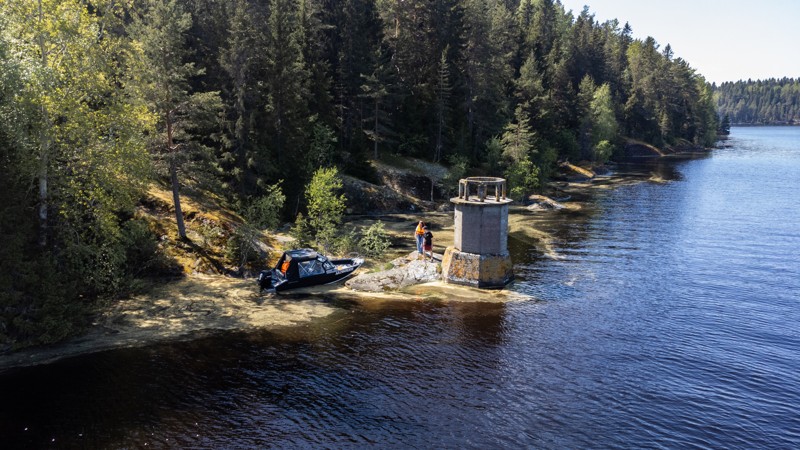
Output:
(285, 267)
(419, 235)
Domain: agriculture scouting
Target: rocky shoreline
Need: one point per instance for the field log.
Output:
(200, 304)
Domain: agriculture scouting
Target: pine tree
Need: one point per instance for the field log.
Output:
(442, 105)
(354, 52)
(285, 80)
(240, 59)
(725, 125)
(377, 88)
(517, 143)
(161, 34)
(488, 70)
(586, 92)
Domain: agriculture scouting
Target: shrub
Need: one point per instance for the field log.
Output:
(602, 151)
(347, 243)
(141, 248)
(301, 232)
(265, 210)
(374, 240)
(458, 170)
(243, 245)
(523, 178)
(325, 209)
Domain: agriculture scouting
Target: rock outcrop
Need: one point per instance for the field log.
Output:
(407, 271)
(572, 172)
(366, 198)
(638, 150)
(540, 202)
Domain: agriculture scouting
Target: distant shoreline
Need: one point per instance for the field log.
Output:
(749, 125)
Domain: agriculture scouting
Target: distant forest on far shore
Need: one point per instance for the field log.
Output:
(760, 102)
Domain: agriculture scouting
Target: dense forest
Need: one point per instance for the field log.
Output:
(248, 98)
(767, 102)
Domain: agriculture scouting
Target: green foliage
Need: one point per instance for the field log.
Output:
(517, 140)
(321, 152)
(243, 245)
(325, 207)
(143, 256)
(162, 77)
(546, 162)
(494, 154)
(603, 151)
(759, 102)
(285, 87)
(725, 125)
(345, 243)
(517, 143)
(374, 240)
(457, 171)
(523, 179)
(604, 123)
(301, 232)
(264, 211)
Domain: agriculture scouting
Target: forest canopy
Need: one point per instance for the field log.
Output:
(760, 102)
(249, 98)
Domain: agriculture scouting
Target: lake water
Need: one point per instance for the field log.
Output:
(669, 318)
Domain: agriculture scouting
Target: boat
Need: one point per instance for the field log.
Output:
(305, 267)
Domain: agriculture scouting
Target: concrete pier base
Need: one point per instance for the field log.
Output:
(492, 271)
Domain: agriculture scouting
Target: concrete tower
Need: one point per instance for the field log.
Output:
(479, 256)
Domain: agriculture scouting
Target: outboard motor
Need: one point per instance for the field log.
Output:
(265, 279)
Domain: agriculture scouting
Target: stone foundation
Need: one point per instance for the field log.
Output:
(471, 269)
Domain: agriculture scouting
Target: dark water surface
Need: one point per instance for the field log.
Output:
(669, 319)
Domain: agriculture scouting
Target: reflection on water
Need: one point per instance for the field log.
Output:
(668, 319)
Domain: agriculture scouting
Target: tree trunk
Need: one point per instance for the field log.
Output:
(43, 195)
(471, 121)
(176, 197)
(173, 176)
(44, 145)
(438, 153)
(375, 137)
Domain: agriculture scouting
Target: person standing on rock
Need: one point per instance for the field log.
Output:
(419, 235)
(428, 242)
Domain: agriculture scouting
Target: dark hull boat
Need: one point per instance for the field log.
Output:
(305, 267)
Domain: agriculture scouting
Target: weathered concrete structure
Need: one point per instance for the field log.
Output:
(479, 256)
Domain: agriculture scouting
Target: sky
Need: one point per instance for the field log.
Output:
(724, 40)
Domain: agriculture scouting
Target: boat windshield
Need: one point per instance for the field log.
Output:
(310, 268)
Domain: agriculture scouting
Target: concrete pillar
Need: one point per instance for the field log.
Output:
(479, 255)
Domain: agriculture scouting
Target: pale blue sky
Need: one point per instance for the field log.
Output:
(724, 40)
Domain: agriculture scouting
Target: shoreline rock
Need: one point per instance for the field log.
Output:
(407, 271)
(540, 202)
